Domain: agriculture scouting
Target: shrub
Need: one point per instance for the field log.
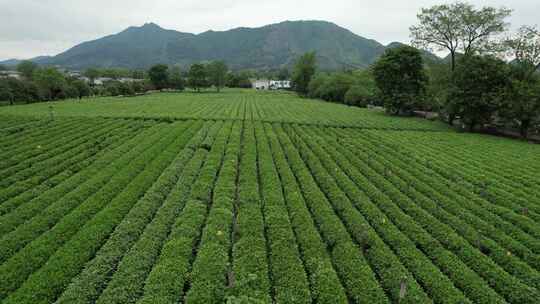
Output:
(358, 96)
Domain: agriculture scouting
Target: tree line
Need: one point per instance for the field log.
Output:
(38, 84)
(490, 78)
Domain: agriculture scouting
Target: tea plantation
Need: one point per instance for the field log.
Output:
(260, 197)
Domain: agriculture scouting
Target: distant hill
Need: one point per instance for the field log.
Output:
(135, 47)
(268, 47)
(14, 62)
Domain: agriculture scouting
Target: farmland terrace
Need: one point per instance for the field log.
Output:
(260, 197)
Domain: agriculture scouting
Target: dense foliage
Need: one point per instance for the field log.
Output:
(477, 89)
(355, 88)
(159, 76)
(460, 28)
(303, 72)
(197, 77)
(401, 79)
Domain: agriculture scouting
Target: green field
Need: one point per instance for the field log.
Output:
(233, 104)
(259, 198)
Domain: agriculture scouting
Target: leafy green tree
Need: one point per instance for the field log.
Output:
(50, 82)
(31, 92)
(137, 74)
(439, 75)
(401, 79)
(524, 48)
(3, 67)
(459, 28)
(478, 89)
(5, 92)
(138, 86)
(126, 89)
(197, 77)
(316, 85)
(336, 86)
(238, 80)
(359, 96)
(112, 88)
(92, 74)
(69, 91)
(303, 72)
(523, 104)
(176, 79)
(159, 76)
(27, 68)
(217, 74)
(82, 88)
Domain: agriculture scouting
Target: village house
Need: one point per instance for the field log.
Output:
(128, 79)
(267, 84)
(101, 80)
(11, 74)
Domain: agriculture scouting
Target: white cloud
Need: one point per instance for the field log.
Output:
(36, 27)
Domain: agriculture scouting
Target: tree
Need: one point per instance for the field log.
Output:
(317, 85)
(238, 80)
(69, 91)
(523, 104)
(399, 74)
(197, 77)
(3, 67)
(137, 74)
(50, 82)
(439, 76)
(138, 86)
(112, 88)
(125, 88)
(82, 88)
(176, 80)
(217, 73)
(92, 74)
(524, 48)
(304, 70)
(359, 96)
(27, 68)
(459, 27)
(6, 93)
(523, 100)
(159, 76)
(478, 89)
(336, 86)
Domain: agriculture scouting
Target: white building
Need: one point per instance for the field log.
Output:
(267, 84)
(101, 80)
(128, 79)
(10, 74)
(260, 84)
(74, 74)
(280, 84)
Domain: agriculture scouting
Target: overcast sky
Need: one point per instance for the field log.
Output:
(30, 28)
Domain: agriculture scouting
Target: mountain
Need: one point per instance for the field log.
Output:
(135, 47)
(268, 47)
(14, 62)
(278, 45)
(10, 62)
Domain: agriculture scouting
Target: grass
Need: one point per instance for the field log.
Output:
(260, 197)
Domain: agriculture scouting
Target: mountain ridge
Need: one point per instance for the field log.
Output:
(271, 46)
